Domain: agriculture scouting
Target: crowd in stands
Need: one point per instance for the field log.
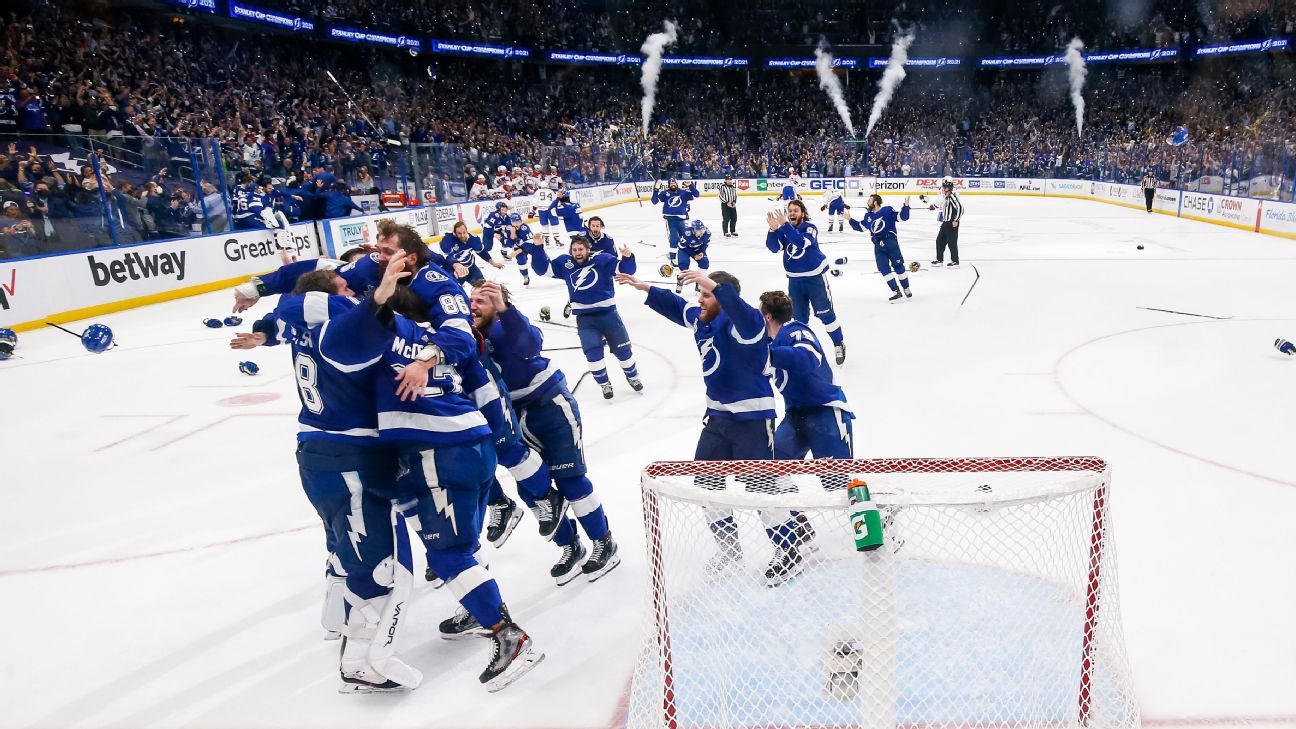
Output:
(186, 107)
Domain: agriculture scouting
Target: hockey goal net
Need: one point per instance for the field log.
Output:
(861, 185)
(991, 603)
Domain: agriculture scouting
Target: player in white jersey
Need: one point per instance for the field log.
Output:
(501, 178)
(836, 206)
(798, 183)
(543, 200)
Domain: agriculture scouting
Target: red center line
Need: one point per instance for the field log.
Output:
(172, 419)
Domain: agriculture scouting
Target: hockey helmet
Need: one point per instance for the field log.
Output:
(697, 225)
(515, 218)
(97, 338)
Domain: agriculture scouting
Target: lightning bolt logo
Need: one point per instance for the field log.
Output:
(355, 519)
(584, 278)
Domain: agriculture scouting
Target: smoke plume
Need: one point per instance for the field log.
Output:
(652, 49)
(891, 79)
(829, 82)
(1076, 69)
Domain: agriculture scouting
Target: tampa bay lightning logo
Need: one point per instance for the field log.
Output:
(584, 278)
(675, 201)
(778, 377)
(710, 356)
(1266, 45)
(878, 226)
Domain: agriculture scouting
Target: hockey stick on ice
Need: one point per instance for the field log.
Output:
(78, 336)
(579, 381)
(1184, 313)
(974, 283)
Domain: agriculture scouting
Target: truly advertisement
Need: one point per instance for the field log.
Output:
(350, 235)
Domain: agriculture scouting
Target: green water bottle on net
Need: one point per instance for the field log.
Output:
(865, 521)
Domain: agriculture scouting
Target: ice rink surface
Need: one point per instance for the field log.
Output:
(161, 567)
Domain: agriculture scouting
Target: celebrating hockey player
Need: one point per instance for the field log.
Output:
(693, 249)
(674, 200)
(515, 237)
(460, 247)
(544, 199)
(569, 212)
(805, 265)
(494, 224)
(549, 418)
(589, 277)
(880, 223)
(599, 240)
(732, 340)
(794, 186)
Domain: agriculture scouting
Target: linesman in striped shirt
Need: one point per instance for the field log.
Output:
(729, 207)
(951, 214)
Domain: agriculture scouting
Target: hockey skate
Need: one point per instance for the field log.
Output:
(679, 285)
(432, 577)
(728, 556)
(607, 390)
(908, 294)
(897, 296)
(512, 656)
(549, 513)
(568, 566)
(840, 351)
(504, 518)
(603, 558)
(463, 626)
(786, 564)
(635, 384)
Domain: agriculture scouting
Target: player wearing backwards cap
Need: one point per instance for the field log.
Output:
(798, 239)
(589, 277)
(674, 200)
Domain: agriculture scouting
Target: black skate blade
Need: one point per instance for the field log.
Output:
(520, 667)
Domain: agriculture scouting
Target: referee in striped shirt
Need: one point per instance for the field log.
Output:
(729, 207)
(948, 235)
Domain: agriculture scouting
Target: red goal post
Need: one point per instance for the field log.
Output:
(992, 602)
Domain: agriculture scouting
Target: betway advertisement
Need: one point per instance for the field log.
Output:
(44, 287)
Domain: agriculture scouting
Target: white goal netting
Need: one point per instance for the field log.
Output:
(992, 602)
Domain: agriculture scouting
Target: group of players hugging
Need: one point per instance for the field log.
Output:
(413, 391)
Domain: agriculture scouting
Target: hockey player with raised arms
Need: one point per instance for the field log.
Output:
(674, 200)
(590, 277)
(733, 343)
(693, 249)
(461, 247)
(880, 224)
(563, 209)
(794, 186)
(797, 239)
(350, 478)
(549, 418)
(835, 204)
(446, 308)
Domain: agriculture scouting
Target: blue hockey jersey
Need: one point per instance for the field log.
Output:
(515, 346)
(249, 201)
(494, 224)
(674, 202)
(569, 212)
(334, 383)
(800, 370)
(601, 244)
(734, 349)
(693, 245)
(447, 309)
(800, 248)
(881, 226)
(462, 252)
(590, 285)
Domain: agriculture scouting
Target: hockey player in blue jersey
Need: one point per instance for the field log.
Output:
(494, 224)
(739, 423)
(692, 249)
(590, 279)
(350, 478)
(880, 224)
(461, 247)
(599, 240)
(817, 419)
(797, 239)
(569, 212)
(248, 202)
(675, 203)
(549, 419)
(447, 458)
(514, 237)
